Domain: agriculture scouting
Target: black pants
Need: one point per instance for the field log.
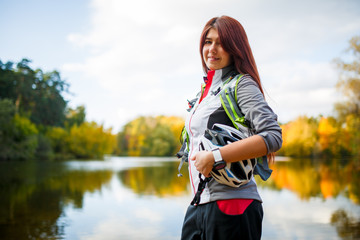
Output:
(208, 222)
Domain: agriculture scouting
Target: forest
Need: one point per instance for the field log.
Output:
(37, 123)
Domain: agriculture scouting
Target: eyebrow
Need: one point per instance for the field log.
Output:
(209, 38)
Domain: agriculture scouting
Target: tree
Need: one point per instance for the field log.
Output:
(36, 95)
(150, 136)
(49, 105)
(33, 114)
(300, 137)
(58, 139)
(18, 135)
(90, 140)
(7, 80)
(333, 140)
(75, 116)
(348, 110)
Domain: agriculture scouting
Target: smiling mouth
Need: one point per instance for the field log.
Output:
(211, 59)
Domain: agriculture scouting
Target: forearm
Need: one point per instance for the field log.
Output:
(251, 147)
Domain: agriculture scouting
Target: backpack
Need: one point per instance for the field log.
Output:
(228, 98)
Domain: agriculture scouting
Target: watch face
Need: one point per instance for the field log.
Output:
(219, 165)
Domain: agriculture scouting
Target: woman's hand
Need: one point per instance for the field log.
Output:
(204, 162)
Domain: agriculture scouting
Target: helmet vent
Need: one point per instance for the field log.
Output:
(236, 183)
(237, 170)
(249, 175)
(225, 177)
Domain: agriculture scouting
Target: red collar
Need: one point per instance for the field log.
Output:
(208, 82)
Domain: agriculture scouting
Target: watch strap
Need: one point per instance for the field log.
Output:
(217, 155)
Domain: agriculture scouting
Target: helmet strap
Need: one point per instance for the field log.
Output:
(200, 189)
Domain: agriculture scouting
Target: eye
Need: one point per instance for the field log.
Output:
(207, 42)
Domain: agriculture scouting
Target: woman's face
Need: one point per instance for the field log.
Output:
(214, 55)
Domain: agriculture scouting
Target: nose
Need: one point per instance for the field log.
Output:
(212, 48)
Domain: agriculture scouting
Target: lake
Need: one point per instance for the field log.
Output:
(142, 198)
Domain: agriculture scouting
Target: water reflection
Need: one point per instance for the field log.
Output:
(309, 178)
(330, 181)
(33, 196)
(347, 226)
(160, 181)
(103, 199)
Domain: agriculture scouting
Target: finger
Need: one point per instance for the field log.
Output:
(207, 175)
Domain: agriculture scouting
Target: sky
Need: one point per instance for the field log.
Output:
(125, 59)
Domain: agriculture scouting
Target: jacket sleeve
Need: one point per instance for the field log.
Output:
(256, 110)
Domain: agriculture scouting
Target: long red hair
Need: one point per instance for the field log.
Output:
(234, 40)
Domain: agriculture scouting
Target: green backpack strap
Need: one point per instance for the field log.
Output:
(183, 153)
(185, 138)
(228, 101)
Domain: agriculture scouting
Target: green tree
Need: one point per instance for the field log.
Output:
(18, 136)
(35, 120)
(150, 136)
(90, 140)
(160, 142)
(7, 113)
(36, 95)
(7, 79)
(75, 116)
(48, 104)
(59, 141)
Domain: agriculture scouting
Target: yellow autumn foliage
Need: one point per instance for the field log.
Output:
(299, 137)
(150, 136)
(90, 140)
(309, 178)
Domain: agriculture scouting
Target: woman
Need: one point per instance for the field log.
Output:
(225, 212)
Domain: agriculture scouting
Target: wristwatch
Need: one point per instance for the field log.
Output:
(219, 162)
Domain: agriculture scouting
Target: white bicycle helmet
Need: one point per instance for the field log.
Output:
(233, 174)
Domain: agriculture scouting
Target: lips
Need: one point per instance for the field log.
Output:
(213, 59)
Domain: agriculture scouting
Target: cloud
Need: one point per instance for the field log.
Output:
(300, 88)
(143, 55)
(134, 54)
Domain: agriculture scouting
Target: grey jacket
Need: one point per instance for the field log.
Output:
(210, 111)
